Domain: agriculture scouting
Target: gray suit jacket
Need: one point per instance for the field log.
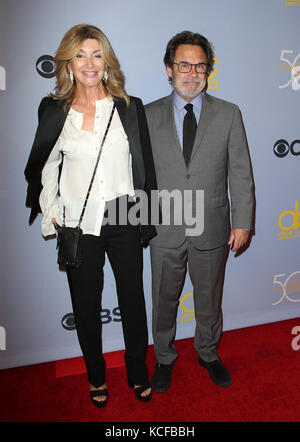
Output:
(219, 157)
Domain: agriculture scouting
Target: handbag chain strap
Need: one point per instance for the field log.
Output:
(95, 169)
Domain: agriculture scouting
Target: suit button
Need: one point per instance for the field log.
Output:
(188, 177)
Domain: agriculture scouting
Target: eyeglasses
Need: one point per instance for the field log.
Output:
(185, 68)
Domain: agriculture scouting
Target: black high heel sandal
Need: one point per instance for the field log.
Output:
(97, 393)
(140, 389)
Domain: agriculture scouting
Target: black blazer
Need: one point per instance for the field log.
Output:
(52, 117)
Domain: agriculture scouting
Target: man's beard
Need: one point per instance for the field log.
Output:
(189, 94)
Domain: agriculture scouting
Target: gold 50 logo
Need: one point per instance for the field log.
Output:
(186, 304)
(213, 84)
(289, 223)
(287, 288)
(293, 67)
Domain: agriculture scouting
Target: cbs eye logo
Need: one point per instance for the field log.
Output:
(281, 148)
(107, 316)
(68, 322)
(45, 66)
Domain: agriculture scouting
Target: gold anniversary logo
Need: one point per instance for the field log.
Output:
(289, 223)
(292, 3)
(291, 65)
(187, 308)
(213, 84)
(287, 287)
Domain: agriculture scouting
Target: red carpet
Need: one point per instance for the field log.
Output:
(264, 368)
(69, 367)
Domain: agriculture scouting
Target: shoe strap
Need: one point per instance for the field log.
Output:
(141, 388)
(95, 393)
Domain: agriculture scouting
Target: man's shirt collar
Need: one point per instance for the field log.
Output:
(180, 102)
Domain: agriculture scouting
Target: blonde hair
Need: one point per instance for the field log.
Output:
(69, 47)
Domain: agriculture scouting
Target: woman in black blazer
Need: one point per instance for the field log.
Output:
(71, 125)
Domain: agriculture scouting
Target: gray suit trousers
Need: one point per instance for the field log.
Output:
(206, 270)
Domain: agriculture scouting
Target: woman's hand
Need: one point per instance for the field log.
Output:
(54, 222)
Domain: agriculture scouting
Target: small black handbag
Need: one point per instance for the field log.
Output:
(69, 238)
(68, 244)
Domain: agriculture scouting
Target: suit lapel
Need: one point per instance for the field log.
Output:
(206, 117)
(170, 128)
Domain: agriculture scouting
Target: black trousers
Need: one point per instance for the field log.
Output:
(122, 245)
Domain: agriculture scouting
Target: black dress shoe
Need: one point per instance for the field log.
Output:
(161, 379)
(217, 372)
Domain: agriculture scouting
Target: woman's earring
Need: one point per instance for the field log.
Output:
(105, 77)
(72, 77)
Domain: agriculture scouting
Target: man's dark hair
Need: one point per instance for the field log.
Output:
(189, 38)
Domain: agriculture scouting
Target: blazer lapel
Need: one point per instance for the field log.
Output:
(49, 129)
(50, 126)
(129, 120)
(206, 117)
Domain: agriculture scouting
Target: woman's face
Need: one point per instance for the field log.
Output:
(88, 66)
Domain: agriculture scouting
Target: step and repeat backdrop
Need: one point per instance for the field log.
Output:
(257, 66)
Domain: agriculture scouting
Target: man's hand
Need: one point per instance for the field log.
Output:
(238, 237)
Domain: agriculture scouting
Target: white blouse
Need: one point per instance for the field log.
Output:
(80, 149)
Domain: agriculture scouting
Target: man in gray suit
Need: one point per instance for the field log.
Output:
(199, 147)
